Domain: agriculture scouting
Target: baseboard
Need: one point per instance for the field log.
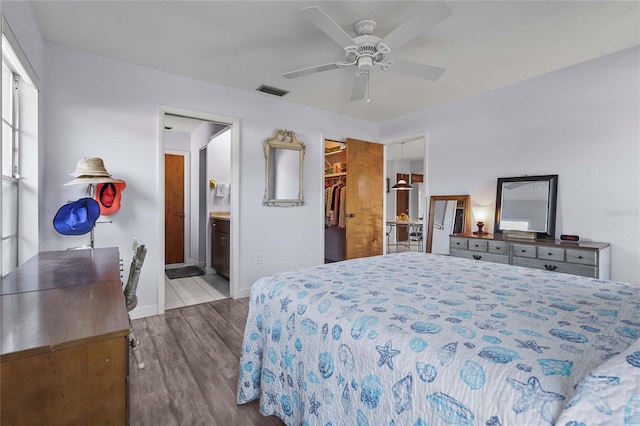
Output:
(144, 311)
(244, 292)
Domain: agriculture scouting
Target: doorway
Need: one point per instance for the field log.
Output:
(353, 212)
(175, 167)
(405, 159)
(185, 139)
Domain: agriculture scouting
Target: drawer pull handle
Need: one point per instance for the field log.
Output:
(550, 267)
(524, 251)
(477, 257)
(579, 257)
(550, 254)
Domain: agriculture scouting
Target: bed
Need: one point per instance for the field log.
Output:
(419, 339)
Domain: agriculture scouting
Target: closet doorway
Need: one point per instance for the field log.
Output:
(353, 199)
(187, 277)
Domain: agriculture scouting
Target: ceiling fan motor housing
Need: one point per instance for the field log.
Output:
(368, 52)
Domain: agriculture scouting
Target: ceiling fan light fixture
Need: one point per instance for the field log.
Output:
(365, 63)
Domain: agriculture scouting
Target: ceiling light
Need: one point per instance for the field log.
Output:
(402, 184)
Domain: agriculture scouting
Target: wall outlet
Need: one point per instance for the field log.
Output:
(258, 258)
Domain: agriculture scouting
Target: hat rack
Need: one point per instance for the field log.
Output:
(90, 171)
(91, 192)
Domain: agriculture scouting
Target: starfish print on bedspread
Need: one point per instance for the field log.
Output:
(399, 317)
(314, 404)
(476, 297)
(531, 344)
(386, 354)
(349, 311)
(589, 390)
(533, 397)
(284, 304)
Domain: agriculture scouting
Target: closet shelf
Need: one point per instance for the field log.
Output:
(335, 175)
(329, 154)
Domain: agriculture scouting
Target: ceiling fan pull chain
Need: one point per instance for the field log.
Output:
(368, 88)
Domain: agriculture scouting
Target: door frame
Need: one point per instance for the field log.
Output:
(186, 157)
(425, 137)
(234, 123)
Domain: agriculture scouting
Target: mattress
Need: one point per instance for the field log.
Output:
(419, 339)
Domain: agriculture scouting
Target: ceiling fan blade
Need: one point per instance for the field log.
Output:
(328, 26)
(359, 87)
(414, 69)
(311, 70)
(417, 25)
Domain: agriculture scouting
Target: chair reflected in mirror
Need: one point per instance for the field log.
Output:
(448, 214)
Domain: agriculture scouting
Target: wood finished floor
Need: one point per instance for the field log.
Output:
(192, 356)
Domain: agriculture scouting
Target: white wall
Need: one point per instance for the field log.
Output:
(582, 123)
(110, 109)
(180, 141)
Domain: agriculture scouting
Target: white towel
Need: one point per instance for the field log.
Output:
(221, 190)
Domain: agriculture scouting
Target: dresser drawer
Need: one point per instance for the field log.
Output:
(551, 253)
(565, 268)
(477, 245)
(487, 257)
(583, 257)
(524, 250)
(498, 247)
(459, 243)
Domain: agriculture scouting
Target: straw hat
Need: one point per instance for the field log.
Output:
(90, 167)
(90, 171)
(85, 180)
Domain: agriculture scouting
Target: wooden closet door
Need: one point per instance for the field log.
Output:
(402, 206)
(364, 198)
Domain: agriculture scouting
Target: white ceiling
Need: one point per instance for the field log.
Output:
(243, 44)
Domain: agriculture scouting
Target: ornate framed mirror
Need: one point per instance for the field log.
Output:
(448, 214)
(284, 155)
(527, 203)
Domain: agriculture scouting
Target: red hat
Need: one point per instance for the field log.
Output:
(108, 196)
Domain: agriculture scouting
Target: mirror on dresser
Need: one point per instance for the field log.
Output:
(527, 204)
(448, 214)
(284, 155)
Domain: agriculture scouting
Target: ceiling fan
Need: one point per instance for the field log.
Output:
(366, 51)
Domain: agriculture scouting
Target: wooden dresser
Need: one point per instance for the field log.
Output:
(64, 353)
(588, 259)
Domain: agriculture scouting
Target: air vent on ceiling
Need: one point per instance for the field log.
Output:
(272, 90)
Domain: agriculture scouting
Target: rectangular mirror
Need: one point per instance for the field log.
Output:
(527, 203)
(284, 155)
(448, 214)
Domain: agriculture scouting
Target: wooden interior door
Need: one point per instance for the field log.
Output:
(364, 198)
(402, 206)
(173, 209)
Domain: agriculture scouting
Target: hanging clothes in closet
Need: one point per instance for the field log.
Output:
(335, 203)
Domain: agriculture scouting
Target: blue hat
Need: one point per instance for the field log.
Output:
(77, 217)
